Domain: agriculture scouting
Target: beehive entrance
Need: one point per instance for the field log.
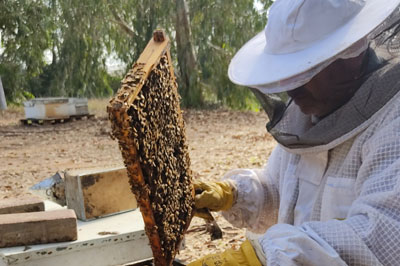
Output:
(147, 121)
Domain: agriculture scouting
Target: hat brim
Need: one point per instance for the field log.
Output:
(253, 67)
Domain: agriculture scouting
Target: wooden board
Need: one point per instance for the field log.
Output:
(147, 121)
(37, 228)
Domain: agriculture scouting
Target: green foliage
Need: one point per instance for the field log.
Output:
(143, 17)
(20, 97)
(23, 27)
(59, 47)
(219, 29)
(73, 33)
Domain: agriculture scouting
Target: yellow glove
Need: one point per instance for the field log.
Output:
(245, 256)
(215, 196)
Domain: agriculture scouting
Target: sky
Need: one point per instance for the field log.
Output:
(258, 5)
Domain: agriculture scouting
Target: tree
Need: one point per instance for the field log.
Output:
(59, 48)
(21, 22)
(72, 33)
(189, 85)
(220, 28)
(80, 44)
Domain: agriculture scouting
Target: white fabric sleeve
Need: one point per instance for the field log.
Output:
(370, 235)
(257, 199)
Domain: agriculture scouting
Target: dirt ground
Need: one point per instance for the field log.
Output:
(219, 140)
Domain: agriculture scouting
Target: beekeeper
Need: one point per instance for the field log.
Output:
(330, 193)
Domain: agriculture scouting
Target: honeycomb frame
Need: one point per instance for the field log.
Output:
(163, 187)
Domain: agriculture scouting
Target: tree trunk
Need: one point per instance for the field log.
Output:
(189, 85)
(3, 103)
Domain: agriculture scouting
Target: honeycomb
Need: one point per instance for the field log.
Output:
(147, 122)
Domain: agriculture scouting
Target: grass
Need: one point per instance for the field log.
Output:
(12, 108)
(98, 106)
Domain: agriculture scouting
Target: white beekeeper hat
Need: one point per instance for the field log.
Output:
(304, 36)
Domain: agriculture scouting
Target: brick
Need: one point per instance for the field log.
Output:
(98, 192)
(31, 228)
(18, 205)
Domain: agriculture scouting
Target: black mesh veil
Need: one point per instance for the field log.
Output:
(387, 36)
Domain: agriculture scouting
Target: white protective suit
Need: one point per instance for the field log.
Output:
(336, 204)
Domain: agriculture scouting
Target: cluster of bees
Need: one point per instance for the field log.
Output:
(151, 135)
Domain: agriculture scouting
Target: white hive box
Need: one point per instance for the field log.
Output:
(55, 108)
(114, 240)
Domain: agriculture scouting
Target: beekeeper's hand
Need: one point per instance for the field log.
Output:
(245, 256)
(215, 196)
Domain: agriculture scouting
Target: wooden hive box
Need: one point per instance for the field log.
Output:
(96, 193)
(147, 122)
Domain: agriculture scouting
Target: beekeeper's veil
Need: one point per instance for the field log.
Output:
(304, 37)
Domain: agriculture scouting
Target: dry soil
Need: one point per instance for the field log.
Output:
(219, 140)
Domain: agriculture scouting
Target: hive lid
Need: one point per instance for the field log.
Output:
(53, 100)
